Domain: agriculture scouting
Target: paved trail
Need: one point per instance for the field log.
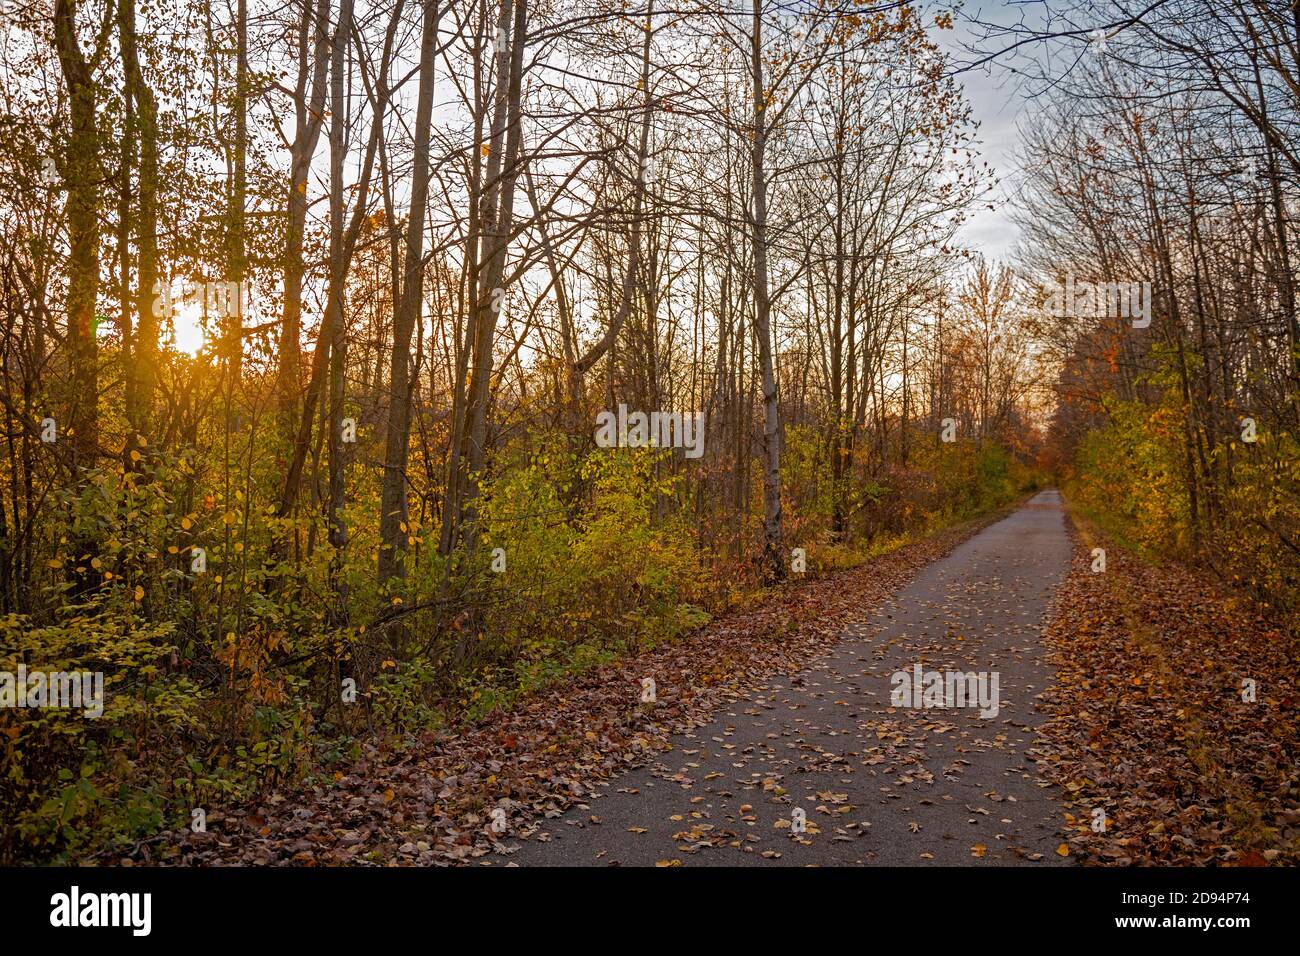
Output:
(879, 785)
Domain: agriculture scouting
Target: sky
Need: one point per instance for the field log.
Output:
(991, 232)
(997, 104)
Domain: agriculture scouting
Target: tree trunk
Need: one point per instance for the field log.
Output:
(310, 111)
(393, 505)
(499, 199)
(772, 557)
(82, 175)
(334, 318)
(142, 371)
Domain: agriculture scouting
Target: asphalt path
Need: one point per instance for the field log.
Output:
(883, 775)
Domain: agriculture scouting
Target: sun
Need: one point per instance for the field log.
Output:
(188, 335)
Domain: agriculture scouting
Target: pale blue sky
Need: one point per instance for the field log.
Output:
(998, 104)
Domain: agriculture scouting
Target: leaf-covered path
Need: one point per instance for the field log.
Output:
(878, 784)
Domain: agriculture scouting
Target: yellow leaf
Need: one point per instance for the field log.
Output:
(668, 862)
(388, 796)
(186, 524)
(139, 593)
(135, 455)
(1063, 850)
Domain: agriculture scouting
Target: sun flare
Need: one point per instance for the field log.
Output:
(188, 335)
